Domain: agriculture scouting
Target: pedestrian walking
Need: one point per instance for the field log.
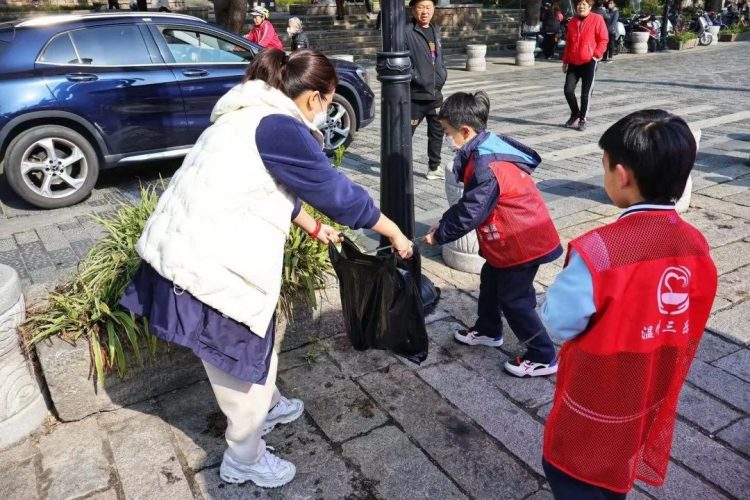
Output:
(263, 33)
(297, 32)
(340, 9)
(514, 229)
(213, 250)
(427, 79)
(631, 304)
(585, 45)
(551, 20)
(614, 19)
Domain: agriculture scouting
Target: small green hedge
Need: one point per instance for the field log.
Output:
(683, 36)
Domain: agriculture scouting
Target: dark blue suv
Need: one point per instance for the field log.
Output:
(85, 92)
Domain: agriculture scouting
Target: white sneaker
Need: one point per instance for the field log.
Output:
(437, 174)
(285, 411)
(525, 368)
(268, 472)
(470, 337)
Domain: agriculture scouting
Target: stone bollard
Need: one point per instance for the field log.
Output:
(462, 254)
(525, 52)
(714, 30)
(475, 57)
(22, 407)
(639, 40)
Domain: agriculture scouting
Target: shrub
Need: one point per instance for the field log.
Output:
(734, 29)
(683, 36)
(87, 306)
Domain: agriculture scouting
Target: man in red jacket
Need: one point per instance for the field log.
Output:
(585, 46)
(263, 33)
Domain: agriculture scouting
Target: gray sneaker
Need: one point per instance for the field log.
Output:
(437, 174)
(285, 411)
(268, 472)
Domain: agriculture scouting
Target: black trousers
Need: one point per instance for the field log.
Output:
(611, 47)
(510, 292)
(548, 44)
(575, 73)
(565, 487)
(428, 109)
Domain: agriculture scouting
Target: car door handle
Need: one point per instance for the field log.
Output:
(194, 72)
(81, 77)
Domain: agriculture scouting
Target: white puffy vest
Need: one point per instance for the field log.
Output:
(219, 228)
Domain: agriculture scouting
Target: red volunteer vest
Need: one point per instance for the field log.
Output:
(519, 229)
(617, 386)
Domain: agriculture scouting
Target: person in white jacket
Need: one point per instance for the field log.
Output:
(213, 249)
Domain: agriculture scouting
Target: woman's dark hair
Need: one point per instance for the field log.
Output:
(303, 70)
(658, 147)
(463, 108)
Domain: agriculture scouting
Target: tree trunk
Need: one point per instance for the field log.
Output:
(237, 15)
(531, 15)
(221, 13)
(714, 5)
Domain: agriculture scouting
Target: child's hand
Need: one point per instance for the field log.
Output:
(328, 234)
(430, 236)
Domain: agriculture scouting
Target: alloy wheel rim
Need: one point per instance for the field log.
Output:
(54, 167)
(337, 127)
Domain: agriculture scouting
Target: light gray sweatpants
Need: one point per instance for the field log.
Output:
(246, 406)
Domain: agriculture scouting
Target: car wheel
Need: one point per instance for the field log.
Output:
(51, 166)
(340, 124)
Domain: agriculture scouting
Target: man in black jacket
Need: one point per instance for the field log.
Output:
(428, 76)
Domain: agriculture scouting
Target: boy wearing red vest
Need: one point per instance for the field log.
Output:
(632, 303)
(515, 232)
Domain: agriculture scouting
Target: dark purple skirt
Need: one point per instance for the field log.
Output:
(176, 316)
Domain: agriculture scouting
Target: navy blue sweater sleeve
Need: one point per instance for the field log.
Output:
(294, 158)
(481, 193)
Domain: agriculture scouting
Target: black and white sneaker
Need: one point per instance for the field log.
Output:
(581, 125)
(472, 337)
(572, 122)
(525, 368)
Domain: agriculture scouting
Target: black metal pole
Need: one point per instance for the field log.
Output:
(664, 27)
(394, 72)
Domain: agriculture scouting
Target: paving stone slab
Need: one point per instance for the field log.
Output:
(738, 436)
(460, 305)
(713, 347)
(732, 323)
(335, 403)
(197, 424)
(491, 409)
(737, 364)
(705, 411)
(146, 461)
(18, 481)
(720, 384)
(466, 453)
(681, 484)
(711, 460)
(356, 363)
(74, 463)
(735, 285)
(487, 363)
(393, 465)
(321, 472)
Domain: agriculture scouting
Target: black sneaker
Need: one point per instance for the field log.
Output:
(572, 122)
(581, 125)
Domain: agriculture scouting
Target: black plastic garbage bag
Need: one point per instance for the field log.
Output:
(380, 297)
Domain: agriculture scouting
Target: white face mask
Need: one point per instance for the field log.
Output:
(451, 142)
(321, 117)
(289, 31)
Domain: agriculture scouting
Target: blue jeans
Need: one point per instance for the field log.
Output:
(510, 292)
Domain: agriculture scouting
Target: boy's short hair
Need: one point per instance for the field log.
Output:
(658, 147)
(463, 108)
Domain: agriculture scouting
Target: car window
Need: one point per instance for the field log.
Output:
(188, 46)
(103, 46)
(60, 51)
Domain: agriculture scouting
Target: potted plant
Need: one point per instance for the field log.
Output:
(682, 40)
(734, 33)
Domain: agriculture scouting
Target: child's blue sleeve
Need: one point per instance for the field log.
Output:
(570, 300)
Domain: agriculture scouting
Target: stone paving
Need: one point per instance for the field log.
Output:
(376, 426)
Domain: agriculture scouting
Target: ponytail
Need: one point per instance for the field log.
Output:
(303, 70)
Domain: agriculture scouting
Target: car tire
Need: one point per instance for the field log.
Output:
(61, 179)
(341, 117)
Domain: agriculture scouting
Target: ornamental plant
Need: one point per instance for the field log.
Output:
(86, 307)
